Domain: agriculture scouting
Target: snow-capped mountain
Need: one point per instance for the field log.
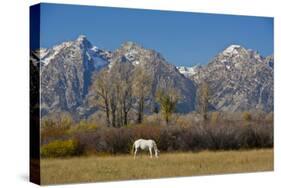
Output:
(239, 79)
(66, 71)
(269, 60)
(161, 71)
(188, 71)
(93, 53)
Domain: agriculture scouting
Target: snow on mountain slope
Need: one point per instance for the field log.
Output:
(232, 49)
(162, 72)
(188, 71)
(66, 73)
(239, 79)
(100, 57)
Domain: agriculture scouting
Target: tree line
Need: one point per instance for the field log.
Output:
(124, 87)
(119, 89)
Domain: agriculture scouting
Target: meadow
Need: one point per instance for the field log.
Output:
(89, 151)
(95, 168)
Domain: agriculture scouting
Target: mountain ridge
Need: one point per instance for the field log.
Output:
(67, 69)
(240, 79)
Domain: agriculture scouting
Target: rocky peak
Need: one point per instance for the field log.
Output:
(269, 60)
(83, 42)
(129, 45)
(161, 71)
(81, 38)
(236, 52)
(236, 57)
(239, 79)
(66, 72)
(128, 52)
(232, 49)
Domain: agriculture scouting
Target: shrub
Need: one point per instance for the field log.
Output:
(269, 118)
(55, 127)
(145, 131)
(185, 134)
(214, 117)
(61, 148)
(98, 118)
(256, 136)
(118, 140)
(50, 132)
(153, 119)
(92, 142)
(184, 121)
(247, 116)
(83, 126)
(177, 138)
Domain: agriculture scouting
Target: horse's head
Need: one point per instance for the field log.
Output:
(157, 153)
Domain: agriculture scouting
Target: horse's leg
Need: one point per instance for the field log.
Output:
(136, 150)
(150, 152)
(156, 152)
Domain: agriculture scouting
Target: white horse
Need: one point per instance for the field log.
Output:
(144, 145)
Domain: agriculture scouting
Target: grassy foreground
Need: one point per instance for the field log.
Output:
(124, 167)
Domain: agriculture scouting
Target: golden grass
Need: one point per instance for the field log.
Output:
(124, 167)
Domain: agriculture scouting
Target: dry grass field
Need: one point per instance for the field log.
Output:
(124, 167)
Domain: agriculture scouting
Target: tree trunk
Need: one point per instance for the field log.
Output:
(205, 117)
(167, 118)
(140, 110)
(107, 113)
(125, 118)
(113, 118)
(125, 113)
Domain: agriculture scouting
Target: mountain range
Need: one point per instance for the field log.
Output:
(239, 79)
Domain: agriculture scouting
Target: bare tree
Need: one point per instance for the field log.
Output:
(167, 98)
(122, 93)
(116, 89)
(203, 96)
(113, 104)
(101, 90)
(126, 91)
(142, 83)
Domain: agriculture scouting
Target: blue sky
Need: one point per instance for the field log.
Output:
(182, 38)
